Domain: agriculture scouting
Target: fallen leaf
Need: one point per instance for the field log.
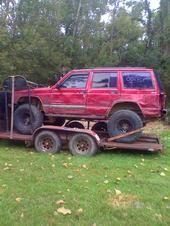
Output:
(118, 179)
(22, 215)
(6, 168)
(65, 165)
(106, 182)
(165, 198)
(21, 170)
(79, 211)
(18, 199)
(53, 165)
(68, 190)
(142, 160)
(129, 172)
(118, 192)
(162, 174)
(63, 211)
(84, 166)
(165, 169)
(60, 202)
(70, 177)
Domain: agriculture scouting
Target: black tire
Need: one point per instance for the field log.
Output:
(47, 142)
(124, 121)
(100, 126)
(82, 144)
(75, 124)
(22, 120)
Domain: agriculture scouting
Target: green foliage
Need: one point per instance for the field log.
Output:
(38, 37)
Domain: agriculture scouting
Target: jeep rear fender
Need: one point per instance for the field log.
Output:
(34, 100)
(130, 105)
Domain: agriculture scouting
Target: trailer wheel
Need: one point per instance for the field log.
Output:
(83, 144)
(75, 124)
(47, 142)
(124, 121)
(22, 118)
(100, 126)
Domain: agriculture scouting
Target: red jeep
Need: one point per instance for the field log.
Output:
(124, 98)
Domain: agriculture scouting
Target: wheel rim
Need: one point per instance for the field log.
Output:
(47, 144)
(124, 126)
(82, 146)
(27, 119)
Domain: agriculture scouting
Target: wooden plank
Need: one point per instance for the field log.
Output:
(124, 135)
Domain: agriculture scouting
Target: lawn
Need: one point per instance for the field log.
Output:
(112, 188)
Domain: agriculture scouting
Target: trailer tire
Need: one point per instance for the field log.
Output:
(124, 121)
(83, 144)
(22, 119)
(47, 142)
(99, 127)
(74, 124)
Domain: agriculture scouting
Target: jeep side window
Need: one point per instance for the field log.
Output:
(104, 80)
(137, 80)
(75, 81)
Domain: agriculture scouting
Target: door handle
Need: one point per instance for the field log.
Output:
(84, 91)
(114, 91)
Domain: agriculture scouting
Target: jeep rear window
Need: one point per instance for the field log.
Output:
(75, 81)
(137, 80)
(104, 80)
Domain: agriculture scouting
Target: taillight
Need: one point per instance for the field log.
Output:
(163, 99)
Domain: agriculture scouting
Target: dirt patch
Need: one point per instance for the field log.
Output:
(122, 200)
(156, 127)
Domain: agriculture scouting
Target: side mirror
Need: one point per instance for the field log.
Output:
(57, 86)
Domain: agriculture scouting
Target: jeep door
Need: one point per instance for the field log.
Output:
(69, 98)
(103, 91)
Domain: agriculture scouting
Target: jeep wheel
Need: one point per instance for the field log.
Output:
(27, 118)
(124, 121)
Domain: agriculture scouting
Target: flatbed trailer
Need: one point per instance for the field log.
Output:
(51, 139)
(145, 143)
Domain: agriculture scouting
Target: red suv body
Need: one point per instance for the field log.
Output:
(95, 94)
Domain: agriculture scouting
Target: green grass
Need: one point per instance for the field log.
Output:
(32, 183)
